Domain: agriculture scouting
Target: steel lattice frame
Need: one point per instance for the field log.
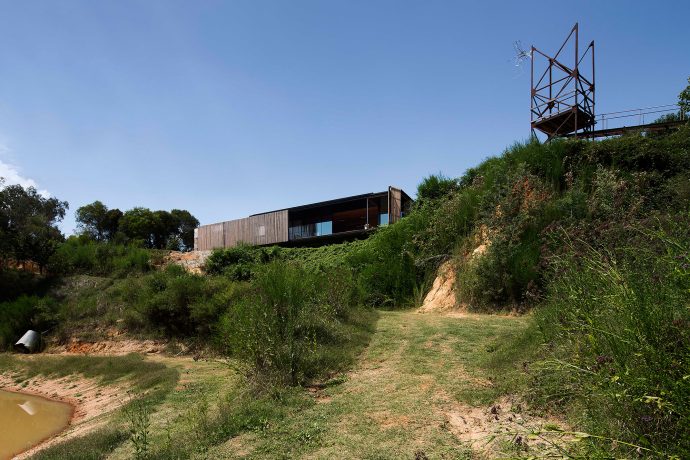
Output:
(562, 98)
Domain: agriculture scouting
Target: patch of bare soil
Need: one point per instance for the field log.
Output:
(506, 427)
(92, 402)
(109, 347)
(192, 261)
(387, 420)
(441, 297)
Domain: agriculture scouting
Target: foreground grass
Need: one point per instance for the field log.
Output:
(393, 404)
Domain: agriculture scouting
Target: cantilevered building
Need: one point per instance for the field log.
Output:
(311, 224)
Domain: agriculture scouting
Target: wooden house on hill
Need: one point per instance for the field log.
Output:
(310, 225)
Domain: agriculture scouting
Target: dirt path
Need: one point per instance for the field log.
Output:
(422, 390)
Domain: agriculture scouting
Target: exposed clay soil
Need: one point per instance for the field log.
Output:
(112, 347)
(441, 297)
(506, 422)
(192, 261)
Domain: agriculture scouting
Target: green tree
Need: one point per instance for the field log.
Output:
(91, 218)
(165, 226)
(98, 222)
(153, 229)
(140, 225)
(111, 223)
(684, 99)
(28, 224)
(186, 223)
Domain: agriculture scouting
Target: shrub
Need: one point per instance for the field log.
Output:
(322, 257)
(80, 255)
(239, 262)
(384, 264)
(167, 298)
(434, 187)
(284, 326)
(175, 302)
(219, 294)
(15, 319)
(14, 283)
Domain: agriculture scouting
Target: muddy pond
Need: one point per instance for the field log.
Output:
(26, 420)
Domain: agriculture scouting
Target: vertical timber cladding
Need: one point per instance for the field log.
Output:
(268, 228)
(210, 236)
(394, 204)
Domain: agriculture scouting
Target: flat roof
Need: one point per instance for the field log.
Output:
(331, 202)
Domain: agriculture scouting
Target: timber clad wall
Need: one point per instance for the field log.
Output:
(394, 204)
(269, 228)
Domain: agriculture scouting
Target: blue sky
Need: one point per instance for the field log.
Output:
(237, 107)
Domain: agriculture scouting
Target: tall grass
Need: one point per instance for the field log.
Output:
(617, 324)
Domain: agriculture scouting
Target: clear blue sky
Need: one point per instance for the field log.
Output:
(237, 107)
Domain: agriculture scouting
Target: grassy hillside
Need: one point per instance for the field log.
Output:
(595, 237)
(592, 238)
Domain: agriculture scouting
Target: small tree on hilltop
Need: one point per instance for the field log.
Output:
(684, 99)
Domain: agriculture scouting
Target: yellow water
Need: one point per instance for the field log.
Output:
(26, 420)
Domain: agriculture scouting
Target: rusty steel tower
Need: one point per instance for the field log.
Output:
(562, 96)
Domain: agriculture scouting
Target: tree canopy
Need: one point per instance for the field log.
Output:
(28, 224)
(152, 229)
(97, 221)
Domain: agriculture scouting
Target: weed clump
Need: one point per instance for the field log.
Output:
(290, 324)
